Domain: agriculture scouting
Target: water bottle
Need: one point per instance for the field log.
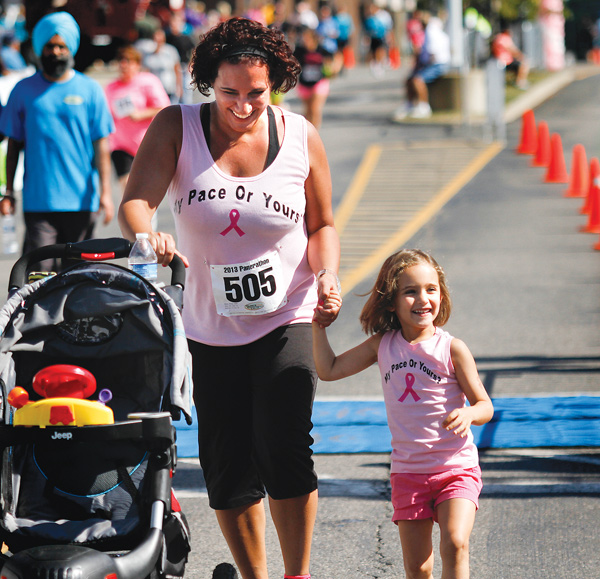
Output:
(142, 258)
(10, 244)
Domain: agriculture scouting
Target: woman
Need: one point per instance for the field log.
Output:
(134, 99)
(250, 190)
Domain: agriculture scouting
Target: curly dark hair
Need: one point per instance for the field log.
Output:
(214, 45)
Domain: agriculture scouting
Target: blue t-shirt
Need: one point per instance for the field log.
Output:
(378, 25)
(345, 25)
(12, 59)
(58, 122)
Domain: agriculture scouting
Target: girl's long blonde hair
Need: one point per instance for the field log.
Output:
(376, 315)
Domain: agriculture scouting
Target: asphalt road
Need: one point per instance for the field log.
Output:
(524, 283)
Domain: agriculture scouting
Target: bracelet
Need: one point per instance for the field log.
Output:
(330, 271)
(7, 196)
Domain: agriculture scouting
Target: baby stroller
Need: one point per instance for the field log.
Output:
(86, 484)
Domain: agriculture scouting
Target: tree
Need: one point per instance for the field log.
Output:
(505, 9)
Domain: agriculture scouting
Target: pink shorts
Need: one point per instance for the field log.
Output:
(416, 496)
(320, 88)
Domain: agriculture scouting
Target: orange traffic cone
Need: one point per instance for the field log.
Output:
(394, 57)
(557, 170)
(593, 224)
(579, 173)
(349, 58)
(542, 154)
(528, 144)
(596, 186)
(594, 172)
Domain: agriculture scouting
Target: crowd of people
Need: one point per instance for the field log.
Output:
(324, 38)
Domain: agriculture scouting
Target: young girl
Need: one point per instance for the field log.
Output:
(427, 376)
(313, 83)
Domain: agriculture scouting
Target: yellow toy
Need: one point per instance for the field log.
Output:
(64, 388)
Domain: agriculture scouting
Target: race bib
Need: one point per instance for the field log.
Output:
(252, 288)
(312, 73)
(123, 107)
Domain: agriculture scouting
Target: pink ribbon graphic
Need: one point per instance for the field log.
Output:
(410, 380)
(234, 217)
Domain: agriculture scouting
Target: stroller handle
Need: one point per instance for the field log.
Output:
(88, 250)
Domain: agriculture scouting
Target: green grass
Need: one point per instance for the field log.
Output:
(535, 76)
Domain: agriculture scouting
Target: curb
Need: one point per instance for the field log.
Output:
(538, 93)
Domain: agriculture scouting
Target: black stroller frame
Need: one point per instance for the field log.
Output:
(124, 525)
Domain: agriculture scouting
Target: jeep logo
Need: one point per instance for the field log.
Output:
(62, 436)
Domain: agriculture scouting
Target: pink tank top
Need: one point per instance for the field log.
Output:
(420, 389)
(245, 238)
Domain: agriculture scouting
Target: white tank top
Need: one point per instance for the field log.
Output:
(245, 238)
(420, 390)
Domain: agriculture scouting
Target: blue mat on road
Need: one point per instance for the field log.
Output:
(355, 426)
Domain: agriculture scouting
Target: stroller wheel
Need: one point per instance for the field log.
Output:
(224, 571)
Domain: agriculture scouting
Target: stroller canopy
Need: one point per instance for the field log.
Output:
(125, 331)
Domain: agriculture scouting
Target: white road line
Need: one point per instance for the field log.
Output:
(526, 487)
(190, 493)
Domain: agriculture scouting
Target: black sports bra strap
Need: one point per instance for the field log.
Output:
(205, 120)
(273, 137)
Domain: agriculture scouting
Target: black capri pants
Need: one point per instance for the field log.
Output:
(122, 162)
(254, 406)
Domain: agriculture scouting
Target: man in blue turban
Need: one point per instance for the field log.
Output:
(61, 120)
(59, 24)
